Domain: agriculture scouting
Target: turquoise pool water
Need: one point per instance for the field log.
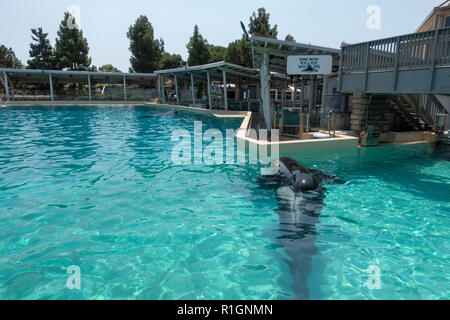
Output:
(95, 187)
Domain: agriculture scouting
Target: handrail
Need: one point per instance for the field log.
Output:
(427, 106)
(418, 50)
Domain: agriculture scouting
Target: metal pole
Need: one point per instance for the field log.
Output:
(193, 89)
(6, 85)
(265, 91)
(324, 100)
(124, 89)
(225, 98)
(163, 90)
(158, 84)
(208, 76)
(51, 85)
(12, 91)
(310, 95)
(89, 87)
(176, 89)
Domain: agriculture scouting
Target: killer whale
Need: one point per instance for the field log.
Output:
(299, 192)
(167, 114)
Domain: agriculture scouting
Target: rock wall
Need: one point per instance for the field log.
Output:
(380, 113)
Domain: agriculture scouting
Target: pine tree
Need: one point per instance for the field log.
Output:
(260, 25)
(198, 49)
(8, 58)
(71, 48)
(146, 51)
(41, 51)
(289, 38)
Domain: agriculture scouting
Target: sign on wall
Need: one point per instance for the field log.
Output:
(309, 64)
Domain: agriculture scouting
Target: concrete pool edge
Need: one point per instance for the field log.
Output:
(196, 110)
(340, 142)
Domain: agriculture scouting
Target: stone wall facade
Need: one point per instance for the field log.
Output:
(380, 113)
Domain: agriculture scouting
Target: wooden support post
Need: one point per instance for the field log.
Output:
(433, 58)
(397, 56)
(366, 67)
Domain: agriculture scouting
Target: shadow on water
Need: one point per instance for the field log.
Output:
(298, 219)
(298, 214)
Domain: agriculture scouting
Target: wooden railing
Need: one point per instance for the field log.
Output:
(418, 50)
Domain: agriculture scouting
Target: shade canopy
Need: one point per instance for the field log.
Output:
(58, 76)
(278, 51)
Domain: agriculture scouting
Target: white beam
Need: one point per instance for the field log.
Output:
(89, 87)
(51, 86)
(193, 89)
(208, 76)
(176, 89)
(225, 95)
(265, 91)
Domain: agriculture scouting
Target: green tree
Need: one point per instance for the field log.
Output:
(217, 53)
(239, 52)
(41, 51)
(170, 61)
(260, 25)
(146, 51)
(198, 49)
(108, 68)
(289, 38)
(8, 58)
(71, 48)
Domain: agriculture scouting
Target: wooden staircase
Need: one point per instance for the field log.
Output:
(418, 110)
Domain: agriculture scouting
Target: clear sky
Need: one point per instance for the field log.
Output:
(105, 22)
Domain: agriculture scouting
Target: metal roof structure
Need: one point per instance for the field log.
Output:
(215, 69)
(42, 76)
(279, 50)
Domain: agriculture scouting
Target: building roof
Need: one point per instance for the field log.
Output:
(279, 50)
(42, 76)
(444, 5)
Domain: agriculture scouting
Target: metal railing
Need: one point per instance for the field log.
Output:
(418, 50)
